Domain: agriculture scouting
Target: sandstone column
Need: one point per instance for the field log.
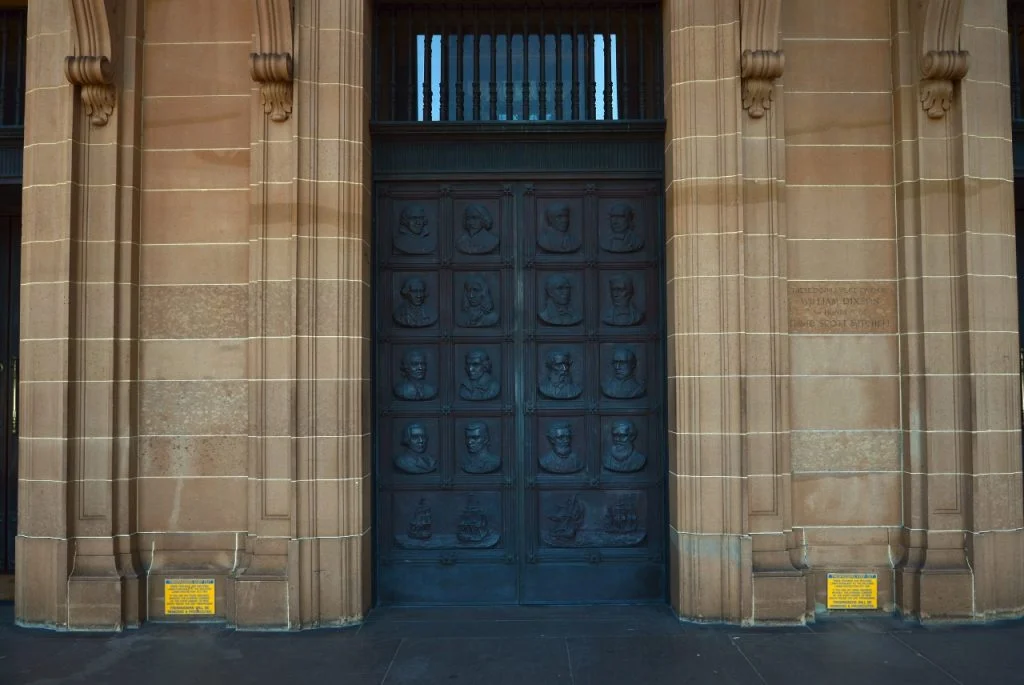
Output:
(334, 398)
(961, 396)
(76, 564)
(710, 550)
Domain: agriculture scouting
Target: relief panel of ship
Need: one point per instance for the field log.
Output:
(469, 529)
(574, 522)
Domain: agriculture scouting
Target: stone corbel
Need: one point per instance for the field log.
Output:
(271, 67)
(942, 62)
(91, 68)
(761, 60)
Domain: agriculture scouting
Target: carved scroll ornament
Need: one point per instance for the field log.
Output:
(942, 62)
(271, 67)
(761, 61)
(91, 68)
(759, 69)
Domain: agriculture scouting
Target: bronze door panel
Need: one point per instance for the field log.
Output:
(520, 429)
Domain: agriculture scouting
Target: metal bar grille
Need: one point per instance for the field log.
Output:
(12, 68)
(1015, 21)
(1016, 26)
(517, 61)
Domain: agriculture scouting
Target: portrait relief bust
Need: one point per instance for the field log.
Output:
(622, 235)
(557, 235)
(622, 311)
(479, 384)
(414, 235)
(413, 311)
(621, 456)
(414, 385)
(559, 308)
(415, 459)
(477, 235)
(478, 309)
(622, 383)
(560, 458)
(557, 382)
(479, 458)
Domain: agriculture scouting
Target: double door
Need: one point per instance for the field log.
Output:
(520, 435)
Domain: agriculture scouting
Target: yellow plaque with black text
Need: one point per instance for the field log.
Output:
(190, 596)
(853, 591)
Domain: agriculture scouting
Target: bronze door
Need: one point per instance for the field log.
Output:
(520, 431)
(10, 244)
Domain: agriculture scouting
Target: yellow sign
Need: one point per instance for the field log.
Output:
(853, 591)
(189, 596)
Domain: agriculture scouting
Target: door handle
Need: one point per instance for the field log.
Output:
(14, 395)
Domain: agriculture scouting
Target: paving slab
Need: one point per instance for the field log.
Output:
(837, 658)
(531, 645)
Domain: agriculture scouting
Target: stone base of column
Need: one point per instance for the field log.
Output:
(346, 569)
(40, 582)
(710, 577)
(780, 597)
(96, 603)
(935, 594)
(261, 603)
(997, 560)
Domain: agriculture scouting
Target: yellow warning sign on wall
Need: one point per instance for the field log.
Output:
(853, 591)
(189, 596)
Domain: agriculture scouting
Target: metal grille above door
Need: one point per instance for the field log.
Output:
(520, 61)
(520, 440)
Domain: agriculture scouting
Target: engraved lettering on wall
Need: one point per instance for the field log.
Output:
(842, 307)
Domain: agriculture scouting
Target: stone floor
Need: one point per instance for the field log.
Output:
(536, 646)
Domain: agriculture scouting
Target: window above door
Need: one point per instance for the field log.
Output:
(505, 62)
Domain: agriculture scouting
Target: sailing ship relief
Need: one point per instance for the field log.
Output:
(618, 527)
(472, 531)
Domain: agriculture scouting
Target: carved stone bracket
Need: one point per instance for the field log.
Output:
(759, 69)
(942, 62)
(91, 69)
(272, 66)
(761, 60)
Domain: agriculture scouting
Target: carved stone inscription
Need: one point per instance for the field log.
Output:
(842, 307)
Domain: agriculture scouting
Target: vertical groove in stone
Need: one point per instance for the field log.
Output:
(766, 408)
(273, 493)
(126, 348)
(705, 296)
(104, 231)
